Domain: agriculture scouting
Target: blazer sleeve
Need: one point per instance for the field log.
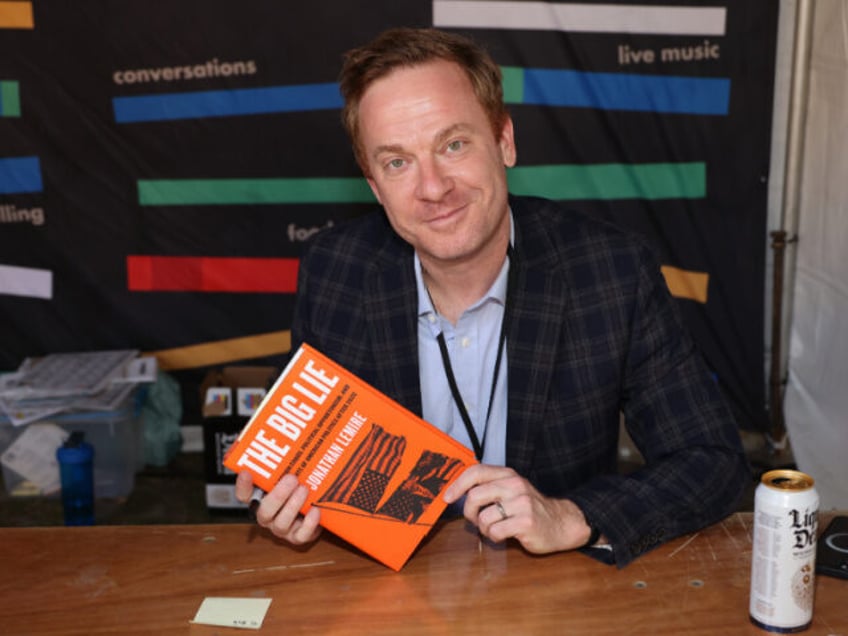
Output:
(695, 469)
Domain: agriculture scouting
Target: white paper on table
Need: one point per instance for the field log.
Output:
(245, 613)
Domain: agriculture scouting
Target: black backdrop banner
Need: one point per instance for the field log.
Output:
(161, 165)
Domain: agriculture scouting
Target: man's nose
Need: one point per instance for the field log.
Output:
(433, 180)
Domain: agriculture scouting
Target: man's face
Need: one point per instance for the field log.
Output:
(434, 163)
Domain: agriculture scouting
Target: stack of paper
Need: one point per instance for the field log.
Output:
(65, 382)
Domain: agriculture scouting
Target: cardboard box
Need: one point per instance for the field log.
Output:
(228, 397)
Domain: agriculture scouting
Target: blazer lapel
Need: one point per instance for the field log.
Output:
(392, 308)
(537, 307)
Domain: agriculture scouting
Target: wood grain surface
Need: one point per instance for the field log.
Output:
(152, 579)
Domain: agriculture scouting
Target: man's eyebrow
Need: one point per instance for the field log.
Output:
(440, 138)
(450, 131)
(387, 149)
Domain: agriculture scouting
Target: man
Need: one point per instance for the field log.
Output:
(537, 325)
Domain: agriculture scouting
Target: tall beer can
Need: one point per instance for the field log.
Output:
(786, 507)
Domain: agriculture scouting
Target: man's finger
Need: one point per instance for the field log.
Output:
(472, 476)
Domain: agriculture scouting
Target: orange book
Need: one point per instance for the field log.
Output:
(375, 469)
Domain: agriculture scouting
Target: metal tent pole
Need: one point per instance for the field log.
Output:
(783, 270)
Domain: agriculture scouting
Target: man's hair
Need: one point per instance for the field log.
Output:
(408, 47)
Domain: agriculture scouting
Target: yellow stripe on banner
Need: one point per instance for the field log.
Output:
(223, 351)
(16, 15)
(686, 284)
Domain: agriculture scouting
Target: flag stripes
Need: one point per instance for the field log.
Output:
(380, 453)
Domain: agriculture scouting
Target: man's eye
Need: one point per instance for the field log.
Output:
(394, 164)
(455, 145)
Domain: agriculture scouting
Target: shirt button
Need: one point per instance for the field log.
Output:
(431, 318)
(465, 342)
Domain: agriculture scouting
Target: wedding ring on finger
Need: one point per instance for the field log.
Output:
(501, 510)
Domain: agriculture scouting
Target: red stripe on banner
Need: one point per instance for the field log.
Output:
(209, 274)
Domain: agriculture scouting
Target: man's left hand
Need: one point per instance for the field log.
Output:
(502, 504)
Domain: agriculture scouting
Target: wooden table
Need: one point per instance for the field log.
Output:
(152, 579)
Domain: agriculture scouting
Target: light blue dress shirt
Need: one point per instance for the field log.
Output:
(472, 346)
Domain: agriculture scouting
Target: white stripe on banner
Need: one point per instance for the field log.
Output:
(26, 281)
(588, 18)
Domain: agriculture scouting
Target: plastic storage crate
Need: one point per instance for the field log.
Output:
(117, 438)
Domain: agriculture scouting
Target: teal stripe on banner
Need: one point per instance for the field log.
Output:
(10, 99)
(253, 191)
(611, 181)
(563, 182)
(513, 84)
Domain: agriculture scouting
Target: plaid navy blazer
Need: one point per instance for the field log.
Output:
(593, 334)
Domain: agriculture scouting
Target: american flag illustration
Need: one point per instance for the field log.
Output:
(364, 480)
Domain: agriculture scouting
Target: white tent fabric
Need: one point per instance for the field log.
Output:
(816, 401)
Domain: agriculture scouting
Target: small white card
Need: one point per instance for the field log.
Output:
(245, 613)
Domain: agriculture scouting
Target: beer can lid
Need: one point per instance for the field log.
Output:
(784, 479)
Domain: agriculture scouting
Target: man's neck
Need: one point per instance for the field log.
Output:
(455, 286)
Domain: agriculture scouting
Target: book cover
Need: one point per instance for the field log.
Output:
(375, 469)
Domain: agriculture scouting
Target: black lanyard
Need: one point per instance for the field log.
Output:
(476, 442)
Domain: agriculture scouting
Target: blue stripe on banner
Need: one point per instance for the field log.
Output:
(243, 101)
(626, 91)
(20, 174)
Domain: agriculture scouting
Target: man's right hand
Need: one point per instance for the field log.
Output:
(279, 510)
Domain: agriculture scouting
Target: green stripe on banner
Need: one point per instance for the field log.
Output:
(513, 84)
(563, 182)
(253, 191)
(611, 181)
(10, 99)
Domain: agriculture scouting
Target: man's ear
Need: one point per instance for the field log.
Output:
(506, 141)
(373, 186)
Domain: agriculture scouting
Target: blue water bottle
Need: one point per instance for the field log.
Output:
(76, 469)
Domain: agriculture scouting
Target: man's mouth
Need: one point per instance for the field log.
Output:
(446, 215)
